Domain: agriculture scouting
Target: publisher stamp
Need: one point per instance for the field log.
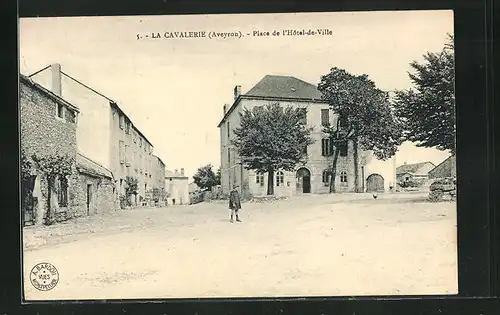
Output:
(44, 276)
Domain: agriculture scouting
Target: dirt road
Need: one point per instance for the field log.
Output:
(305, 246)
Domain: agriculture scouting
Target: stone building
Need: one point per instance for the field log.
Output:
(96, 187)
(48, 130)
(445, 169)
(414, 171)
(177, 187)
(158, 172)
(105, 133)
(311, 177)
(158, 192)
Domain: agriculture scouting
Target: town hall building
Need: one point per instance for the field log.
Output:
(311, 177)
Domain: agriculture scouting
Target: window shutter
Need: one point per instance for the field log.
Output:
(325, 117)
(121, 153)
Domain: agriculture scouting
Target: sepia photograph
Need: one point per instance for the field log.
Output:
(238, 155)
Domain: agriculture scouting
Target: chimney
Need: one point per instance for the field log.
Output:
(182, 171)
(56, 78)
(237, 91)
(176, 171)
(225, 109)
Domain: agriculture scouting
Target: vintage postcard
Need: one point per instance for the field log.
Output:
(240, 155)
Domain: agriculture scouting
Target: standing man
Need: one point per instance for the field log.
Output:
(234, 203)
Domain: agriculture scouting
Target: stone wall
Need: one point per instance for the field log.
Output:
(103, 195)
(45, 134)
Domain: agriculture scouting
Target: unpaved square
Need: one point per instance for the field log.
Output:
(327, 245)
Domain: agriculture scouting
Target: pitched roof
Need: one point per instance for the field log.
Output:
(285, 87)
(279, 87)
(159, 159)
(411, 168)
(111, 102)
(445, 168)
(90, 167)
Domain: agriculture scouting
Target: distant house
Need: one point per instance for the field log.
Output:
(415, 171)
(445, 169)
(193, 187)
(177, 187)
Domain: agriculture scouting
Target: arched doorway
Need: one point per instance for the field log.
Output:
(303, 180)
(374, 182)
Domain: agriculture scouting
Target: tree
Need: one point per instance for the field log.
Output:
(131, 188)
(218, 176)
(272, 138)
(428, 111)
(205, 177)
(365, 118)
(53, 167)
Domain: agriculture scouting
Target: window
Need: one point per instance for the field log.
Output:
(60, 111)
(121, 121)
(325, 117)
(303, 115)
(259, 179)
(343, 149)
(326, 177)
(304, 150)
(121, 153)
(280, 178)
(228, 156)
(127, 127)
(326, 147)
(228, 130)
(127, 159)
(70, 116)
(343, 177)
(62, 191)
(140, 142)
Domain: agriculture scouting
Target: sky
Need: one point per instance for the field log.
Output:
(174, 89)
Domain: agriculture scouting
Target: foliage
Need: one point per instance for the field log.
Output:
(124, 202)
(272, 138)
(54, 165)
(205, 177)
(26, 166)
(365, 109)
(365, 116)
(158, 194)
(131, 188)
(428, 111)
(409, 184)
(218, 176)
(196, 197)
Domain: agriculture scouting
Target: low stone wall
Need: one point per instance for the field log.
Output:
(262, 199)
(443, 189)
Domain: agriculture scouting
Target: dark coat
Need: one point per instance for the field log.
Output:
(234, 200)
